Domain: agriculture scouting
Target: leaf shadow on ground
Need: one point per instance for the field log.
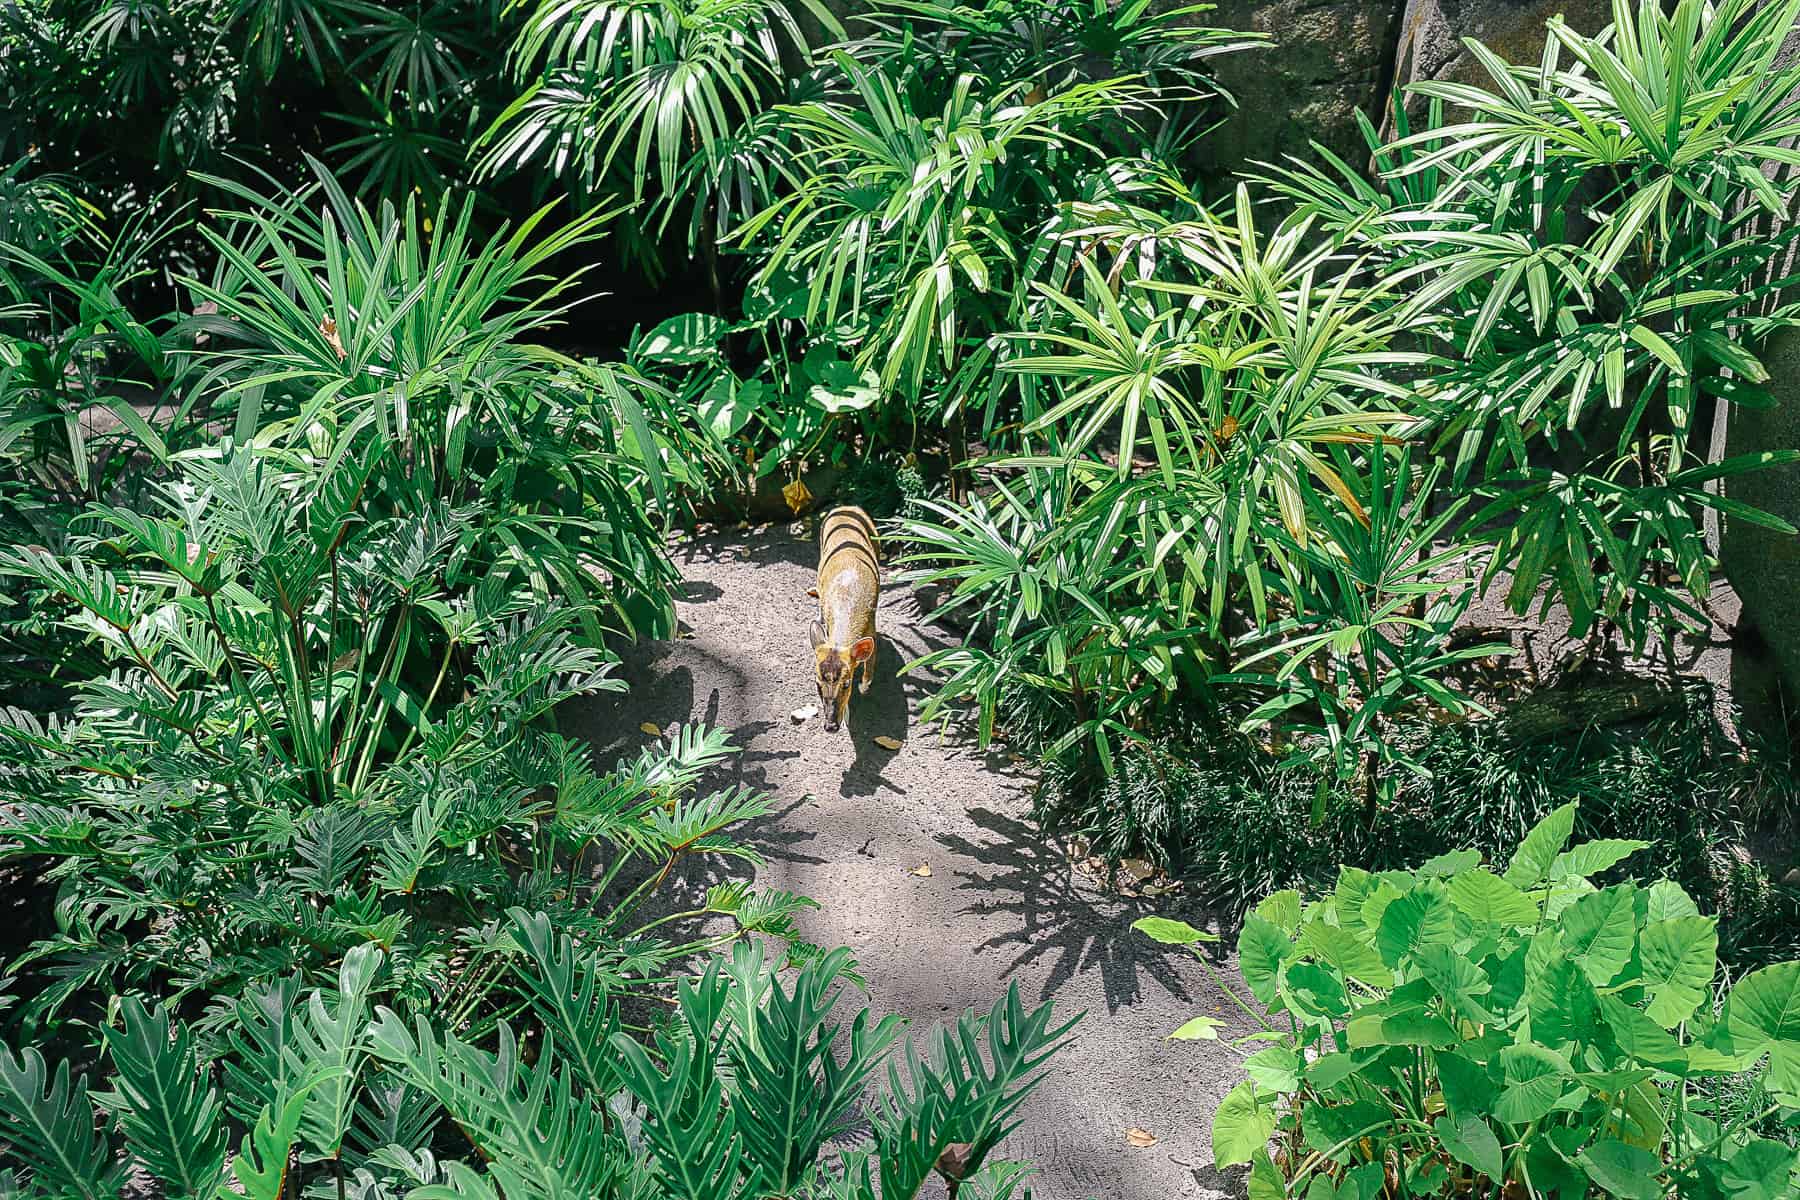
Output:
(1054, 919)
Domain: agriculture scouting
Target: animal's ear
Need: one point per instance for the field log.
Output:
(817, 634)
(861, 649)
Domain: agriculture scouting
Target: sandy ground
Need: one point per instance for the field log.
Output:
(854, 821)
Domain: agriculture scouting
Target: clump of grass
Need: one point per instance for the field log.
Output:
(884, 486)
(1226, 815)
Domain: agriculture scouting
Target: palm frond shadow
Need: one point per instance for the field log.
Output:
(1054, 922)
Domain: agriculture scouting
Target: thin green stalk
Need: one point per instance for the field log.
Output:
(241, 684)
(346, 742)
(331, 625)
(430, 698)
(374, 718)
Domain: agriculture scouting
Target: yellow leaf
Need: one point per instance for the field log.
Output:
(651, 728)
(797, 495)
(923, 871)
(888, 743)
(1143, 1139)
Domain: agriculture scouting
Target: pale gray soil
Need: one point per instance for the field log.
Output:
(1001, 905)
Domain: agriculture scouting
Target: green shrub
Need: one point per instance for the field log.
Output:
(1461, 1029)
(1236, 820)
(744, 1088)
(1595, 245)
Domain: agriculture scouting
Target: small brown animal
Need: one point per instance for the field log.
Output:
(843, 640)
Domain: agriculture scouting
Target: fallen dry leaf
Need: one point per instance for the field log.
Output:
(1137, 868)
(797, 495)
(888, 743)
(953, 1163)
(1143, 1139)
(651, 728)
(329, 328)
(804, 714)
(923, 871)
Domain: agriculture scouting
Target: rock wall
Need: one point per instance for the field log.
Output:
(1329, 59)
(1762, 565)
(1430, 44)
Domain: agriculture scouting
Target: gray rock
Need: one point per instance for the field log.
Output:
(1430, 43)
(1329, 59)
(1762, 564)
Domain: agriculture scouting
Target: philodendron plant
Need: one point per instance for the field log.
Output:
(1461, 1030)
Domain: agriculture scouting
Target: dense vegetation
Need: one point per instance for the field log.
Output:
(327, 477)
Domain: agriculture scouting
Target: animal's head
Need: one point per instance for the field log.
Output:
(834, 669)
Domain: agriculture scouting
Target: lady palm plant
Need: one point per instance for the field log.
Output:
(1053, 45)
(1593, 236)
(1371, 639)
(1201, 393)
(663, 97)
(1208, 351)
(353, 320)
(907, 224)
(1062, 613)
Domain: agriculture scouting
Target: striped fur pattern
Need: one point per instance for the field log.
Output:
(843, 638)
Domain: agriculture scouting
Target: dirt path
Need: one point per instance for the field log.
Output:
(853, 821)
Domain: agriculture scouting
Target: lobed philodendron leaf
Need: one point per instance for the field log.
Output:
(48, 1126)
(789, 1087)
(172, 1117)
(261, 1165)
(330, 1045)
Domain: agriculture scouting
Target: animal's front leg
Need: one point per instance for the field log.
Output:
(868, 673)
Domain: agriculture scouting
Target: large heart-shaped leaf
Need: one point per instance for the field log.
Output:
(1531, 862)
(1627, 1171)
(683, 340)
(1470, 1140)
(1262, 949)
(1763, 1014)
(1680, 957)
(1242, 1126)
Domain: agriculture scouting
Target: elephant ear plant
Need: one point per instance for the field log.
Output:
(1466, 1030)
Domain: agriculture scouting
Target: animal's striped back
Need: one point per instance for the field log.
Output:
(847, 535)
